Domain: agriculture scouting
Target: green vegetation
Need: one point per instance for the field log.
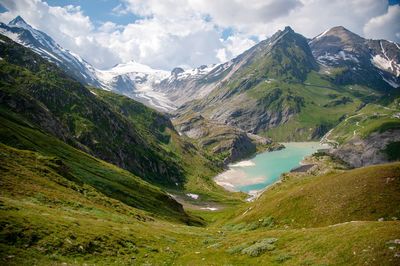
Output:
(372, 118)
(65, 200)
(111, 127)
(49, 219)
(364, 194)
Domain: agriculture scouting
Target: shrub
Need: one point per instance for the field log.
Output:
(260, 247)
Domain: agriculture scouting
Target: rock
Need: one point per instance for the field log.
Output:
(362, 152)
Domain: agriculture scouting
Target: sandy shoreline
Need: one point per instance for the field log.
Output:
(236, 177)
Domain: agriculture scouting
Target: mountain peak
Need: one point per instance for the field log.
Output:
(18, 21)
(288, 29)
(342, 32)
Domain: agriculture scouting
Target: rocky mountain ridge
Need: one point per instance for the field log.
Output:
(336, 48)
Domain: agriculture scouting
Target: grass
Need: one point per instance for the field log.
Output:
(82, 168)
(48, 219)
(373, 118)
(362, 194)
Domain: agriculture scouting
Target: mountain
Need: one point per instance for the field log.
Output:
(264, 88)
(374, 63)
(290, 88)
(107, 126)
(136, 81)
(185, 85)
(343, 56)
(131, 79)
(89, 176)
(42, 44)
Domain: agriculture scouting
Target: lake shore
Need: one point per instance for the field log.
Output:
(256, 174)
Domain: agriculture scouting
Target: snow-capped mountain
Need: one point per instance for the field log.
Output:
(137, 81)
(131, 79)
(374, 63)
(185, 85)
(21, 32)
(368, 60)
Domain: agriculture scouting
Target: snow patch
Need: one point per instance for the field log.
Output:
(209, 208)
(333, 58)
(320, 35)
(193, 196)
(385, 64)
(391, 83)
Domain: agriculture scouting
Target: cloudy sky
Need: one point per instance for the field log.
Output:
(188, 33)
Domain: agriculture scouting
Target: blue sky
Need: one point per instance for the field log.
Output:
(99, 11)
(168, 33)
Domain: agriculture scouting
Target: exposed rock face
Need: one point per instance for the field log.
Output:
(374, 63)
(361, 152)
(228, 143)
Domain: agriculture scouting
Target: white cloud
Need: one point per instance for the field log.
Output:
(233, 46)
(188, 33)
(386, 26)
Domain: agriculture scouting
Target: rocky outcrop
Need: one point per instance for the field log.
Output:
(226, 143)
(361, 152)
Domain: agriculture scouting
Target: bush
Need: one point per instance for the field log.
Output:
(260, 247)
(282, 258)
(237, 249)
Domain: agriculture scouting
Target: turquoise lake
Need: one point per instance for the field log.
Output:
(265, 168)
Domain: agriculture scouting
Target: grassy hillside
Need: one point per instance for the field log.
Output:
(49, 219)
(369, 119)
(82, 169)
(197, 166)
(368, 193)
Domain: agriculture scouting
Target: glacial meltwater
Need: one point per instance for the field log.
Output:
(265, 168)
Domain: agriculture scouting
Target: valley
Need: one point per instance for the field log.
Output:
(138, 166)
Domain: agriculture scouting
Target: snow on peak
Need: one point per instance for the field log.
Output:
(322, 34)
(133, 67)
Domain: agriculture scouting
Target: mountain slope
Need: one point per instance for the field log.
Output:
(374, 63)
(364, 194)
(276, 85)
(74, 169)
(65, 108)
(108, 126)
(42, 44)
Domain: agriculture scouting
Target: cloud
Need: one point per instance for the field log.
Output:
(233, 46)
(190, 33)
(67, 25)
(386, 26)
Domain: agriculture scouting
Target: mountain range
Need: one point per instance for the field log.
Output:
(369, 62)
